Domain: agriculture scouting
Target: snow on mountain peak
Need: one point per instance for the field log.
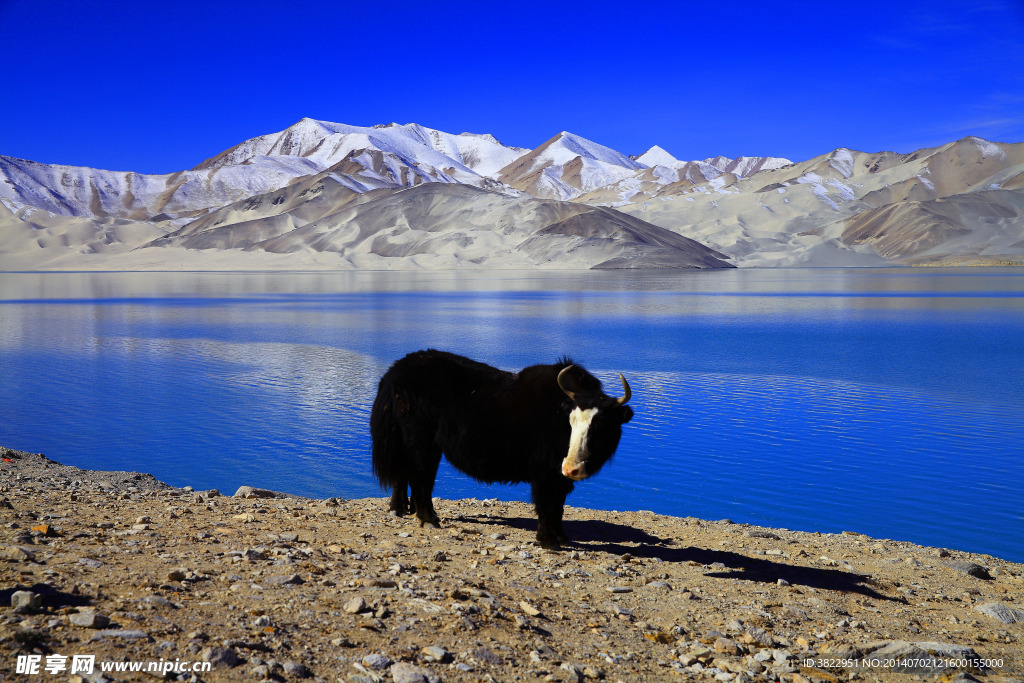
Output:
(656, 156)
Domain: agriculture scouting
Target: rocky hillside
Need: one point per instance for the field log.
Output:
(264, 586)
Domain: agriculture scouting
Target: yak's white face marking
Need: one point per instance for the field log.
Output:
(574, 464)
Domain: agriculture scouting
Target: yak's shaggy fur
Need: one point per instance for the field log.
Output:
(495, 426)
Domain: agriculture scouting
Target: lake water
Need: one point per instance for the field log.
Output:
(884, 401)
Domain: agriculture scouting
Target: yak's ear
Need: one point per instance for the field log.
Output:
(627, 414)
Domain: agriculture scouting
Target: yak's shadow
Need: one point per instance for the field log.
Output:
(620, 539)
(50, 597)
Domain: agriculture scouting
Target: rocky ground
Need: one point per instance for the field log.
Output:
(123, 567)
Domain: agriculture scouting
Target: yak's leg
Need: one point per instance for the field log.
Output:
(399, 498)
(422, 484)
(549, 501)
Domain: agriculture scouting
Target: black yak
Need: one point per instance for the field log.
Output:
(548, 425)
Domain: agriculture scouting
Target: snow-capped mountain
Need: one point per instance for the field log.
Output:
(403, 154)
(321, 194)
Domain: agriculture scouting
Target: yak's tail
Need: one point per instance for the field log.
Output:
(386, 433)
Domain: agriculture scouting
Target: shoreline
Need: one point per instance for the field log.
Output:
(269, 587)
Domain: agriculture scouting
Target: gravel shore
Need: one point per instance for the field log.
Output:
(263, 586)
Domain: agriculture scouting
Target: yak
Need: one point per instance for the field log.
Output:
(547, 425)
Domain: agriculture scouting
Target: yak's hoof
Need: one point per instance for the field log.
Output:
(431, 524)
(549, 544)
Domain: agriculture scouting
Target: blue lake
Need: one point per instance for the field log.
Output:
(884, 401)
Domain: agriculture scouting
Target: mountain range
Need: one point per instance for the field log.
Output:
(328, 195)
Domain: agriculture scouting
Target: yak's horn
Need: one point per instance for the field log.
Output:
(622, 400)
(561, 386)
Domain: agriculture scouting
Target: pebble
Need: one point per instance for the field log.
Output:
(284, 580)
(1001, 612)
(355, 605)
(433, 653)
(376, 661)
(297, 670)
(17, 553)
(728, 646)
(486, 656)
(529, 609)
(619, 589)
(220, 657)
(404, 672)
(969, 568)
(89, 619)
(26, 600)
(127, 634)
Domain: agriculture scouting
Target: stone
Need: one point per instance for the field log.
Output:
(355, 605)
(89, 619)
(253, 492)
(297, 670)
(404, 672)
(619, 589)
(529, 609)
(728, 646)
(661, 585)
(376, 661)
(1001, 612)
(433, 653)
(970, 568)
(285, 580)
(758, 636)
(89, 562)
(220, 657)
(157, 601)
(485, 656)
(26, 600)
(575, 673)
(16, 554)
(176, 575)
(126, 634)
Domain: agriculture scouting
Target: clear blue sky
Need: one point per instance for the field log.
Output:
(157, 87)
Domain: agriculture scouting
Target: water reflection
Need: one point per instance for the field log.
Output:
(883, 401)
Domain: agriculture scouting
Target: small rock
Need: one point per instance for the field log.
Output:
(433, 653)
(26, 600)
(619, 589)
(157, 601)
(297, 670)
(89, 562)
(252, 492)
(1002, 612)
(487, 657)
(575, 673)
(727, 646)
(376, 661)
(89, 619)
(220, 657)
(127, 634)
(16, 554)
(285, 580)
(660, 585)
(529, 609)
(355, 605)
(176, 575)
(404, 672)
(969, 568)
